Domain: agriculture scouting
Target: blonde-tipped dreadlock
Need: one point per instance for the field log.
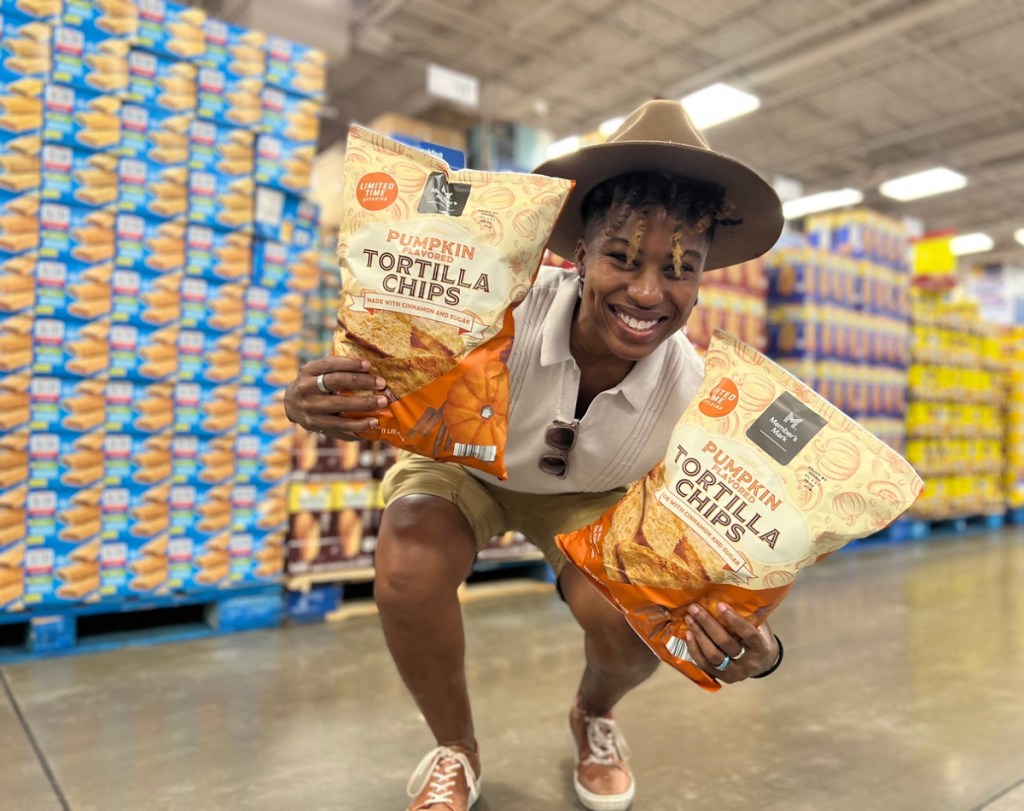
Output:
(696, 207)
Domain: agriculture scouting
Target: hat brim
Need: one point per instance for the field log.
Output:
(753, 200)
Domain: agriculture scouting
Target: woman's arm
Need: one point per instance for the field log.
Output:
(353, 387)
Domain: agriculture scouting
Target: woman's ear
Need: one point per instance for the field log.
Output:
(579, 255)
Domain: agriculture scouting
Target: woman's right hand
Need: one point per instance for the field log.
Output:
(306, 405)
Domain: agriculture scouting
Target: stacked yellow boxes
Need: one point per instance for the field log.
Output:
(838, 316)
(955, 426)
(733, 299)
(1013, 445)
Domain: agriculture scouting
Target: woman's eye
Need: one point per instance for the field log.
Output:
(618, 257)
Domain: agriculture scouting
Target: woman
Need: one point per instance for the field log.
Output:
(600, 373)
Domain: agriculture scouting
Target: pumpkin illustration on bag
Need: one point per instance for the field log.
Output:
(476, 411)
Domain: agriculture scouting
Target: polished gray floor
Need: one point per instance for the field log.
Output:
(902, 690)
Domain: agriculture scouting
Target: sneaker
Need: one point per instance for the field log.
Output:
(602, 779)
(447, 779)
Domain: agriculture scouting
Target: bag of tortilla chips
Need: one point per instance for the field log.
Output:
(761, 478)
(433, 263)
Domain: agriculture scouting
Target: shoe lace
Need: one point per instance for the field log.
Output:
(606, 743)
(440, 769)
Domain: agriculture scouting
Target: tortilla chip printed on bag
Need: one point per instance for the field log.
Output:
(433, 263)
(762, 477)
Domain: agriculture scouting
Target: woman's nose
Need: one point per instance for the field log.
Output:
(646, 287)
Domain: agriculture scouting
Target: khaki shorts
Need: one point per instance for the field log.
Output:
(493, 511)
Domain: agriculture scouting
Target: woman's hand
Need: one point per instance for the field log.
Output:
(751, 650)
(307, 405)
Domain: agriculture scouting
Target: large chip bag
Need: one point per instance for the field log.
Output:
(433, 263)
(761, 478)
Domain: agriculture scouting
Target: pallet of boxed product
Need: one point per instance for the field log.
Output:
(1013, 411)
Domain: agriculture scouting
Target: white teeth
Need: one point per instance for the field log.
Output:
(632, 323)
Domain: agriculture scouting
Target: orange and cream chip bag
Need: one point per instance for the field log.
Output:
(762, 477)
(433, 263)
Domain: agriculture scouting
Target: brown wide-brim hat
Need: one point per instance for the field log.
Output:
(659, 137)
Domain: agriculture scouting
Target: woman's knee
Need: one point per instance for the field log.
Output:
(425, 546)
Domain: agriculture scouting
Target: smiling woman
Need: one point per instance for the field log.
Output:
(599, 374)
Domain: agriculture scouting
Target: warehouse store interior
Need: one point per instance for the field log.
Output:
(187, 612)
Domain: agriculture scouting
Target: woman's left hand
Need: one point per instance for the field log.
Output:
(750, 650)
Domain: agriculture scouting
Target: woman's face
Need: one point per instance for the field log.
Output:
(628, 309)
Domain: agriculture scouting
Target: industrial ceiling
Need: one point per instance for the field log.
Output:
(853, 92)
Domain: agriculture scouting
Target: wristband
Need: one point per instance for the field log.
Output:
(775, 666)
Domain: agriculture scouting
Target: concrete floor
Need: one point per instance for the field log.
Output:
(902, 690)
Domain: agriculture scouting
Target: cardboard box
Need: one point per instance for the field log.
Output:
(269, 363)
(261, 411)
(203, 460)
(278, 214)
(141, 408)
(263, 460)
(145, 299)
(206, 357)
(155, 135)
(202, 516)
(73, 291)
(19, 225)
(78, 178)
(71, 348)
(205, 410)
(148, 568)
(16, 344)
(20, 169)
(212, 305)
(161, 83)
(76, 234)
(59, 574)
(143, 354)
(17, 284)
(119, 18)
(138, 459)
(234, 49)
(218, 255)
(43, 10)
(21, 105)
(284, 165)
(67, 405)
(221, 201)
(12, 574)
(171, 29)
(221, 150)
(81, 119)
(296, 68)
(14, 460)
(259, 509)
(13, 514)
(274, 313)
(65, 460)
(25, 47)
(136, 513)
(255, 557)
(15, 401)
(290, 118)
(229, 99)
(89, 57)
(152, 190)
(153, 246)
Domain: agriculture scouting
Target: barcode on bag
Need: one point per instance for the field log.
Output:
(677, 647)
(485, 453)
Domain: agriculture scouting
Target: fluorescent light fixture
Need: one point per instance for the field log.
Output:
(717, 103)
(609, 126)
(1019, 235)
(822, 201)
(923, 184)
(563, 147)
(970, 243)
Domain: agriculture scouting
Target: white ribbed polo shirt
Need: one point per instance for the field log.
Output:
(626, 429)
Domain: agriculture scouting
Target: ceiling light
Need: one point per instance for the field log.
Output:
(609, 126)
(923, 184)
(1019, 235)
(563, 147)
(970, 243)
(822, 201)
(717, 103)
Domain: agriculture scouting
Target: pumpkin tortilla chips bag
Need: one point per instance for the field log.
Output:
(761, 478)
(433, 263)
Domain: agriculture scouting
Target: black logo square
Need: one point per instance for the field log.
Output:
(785, 428)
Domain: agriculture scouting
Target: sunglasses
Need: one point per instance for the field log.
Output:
(560, 437)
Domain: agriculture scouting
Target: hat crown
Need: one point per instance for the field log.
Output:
(659, 120)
